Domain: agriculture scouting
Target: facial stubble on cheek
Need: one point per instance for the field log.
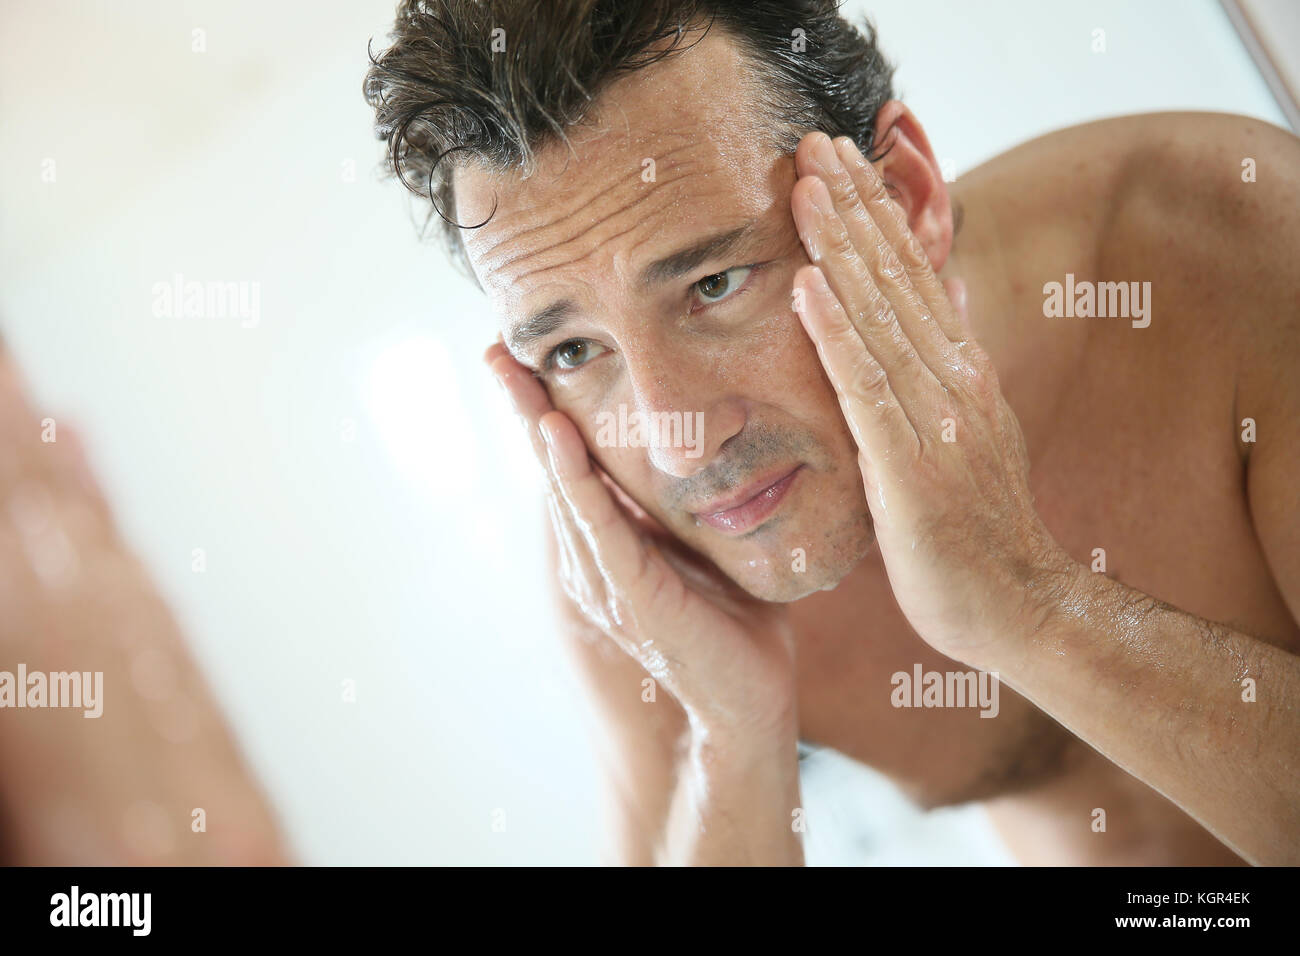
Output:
(833, 534)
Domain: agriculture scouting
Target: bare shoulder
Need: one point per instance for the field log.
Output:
(1188, 164)
(1135, 188)
(1218, 170)
(1211, 202)
(1186, 141)
(1204, 206)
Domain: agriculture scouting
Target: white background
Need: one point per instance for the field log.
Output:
(409, 559)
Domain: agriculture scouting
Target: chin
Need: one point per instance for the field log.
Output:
(785, 591)
(781, 575)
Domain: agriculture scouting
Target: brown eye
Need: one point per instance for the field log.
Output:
(714, 286)
(721, 285)
(573, 353)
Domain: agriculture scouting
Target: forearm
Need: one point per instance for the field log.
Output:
(735, 803)
(1164, 694)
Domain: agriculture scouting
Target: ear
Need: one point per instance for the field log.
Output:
(912, 172)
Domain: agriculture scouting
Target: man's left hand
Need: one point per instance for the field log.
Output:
(943, 459)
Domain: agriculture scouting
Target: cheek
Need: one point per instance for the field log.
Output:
(631, 470)
(790, 377)
(628, 465)
(582, 398)
(790, 373)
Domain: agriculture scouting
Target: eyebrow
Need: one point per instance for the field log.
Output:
(679, 263)
(548, 319)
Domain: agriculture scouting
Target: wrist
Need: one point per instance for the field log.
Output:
(1054, 591)
(735, 809)
(739, 800)
(740, 750)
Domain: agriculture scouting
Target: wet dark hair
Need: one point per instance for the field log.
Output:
(493, 81)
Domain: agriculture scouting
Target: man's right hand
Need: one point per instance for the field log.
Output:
(726, 658)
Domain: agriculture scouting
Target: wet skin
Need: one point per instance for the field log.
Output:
(584, 231)
(584, 228)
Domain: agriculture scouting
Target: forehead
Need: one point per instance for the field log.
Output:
(676, 151)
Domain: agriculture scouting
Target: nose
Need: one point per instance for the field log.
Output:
(685, 407)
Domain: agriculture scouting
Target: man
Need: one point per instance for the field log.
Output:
(1040, 422)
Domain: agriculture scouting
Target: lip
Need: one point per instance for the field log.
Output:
(750, 507)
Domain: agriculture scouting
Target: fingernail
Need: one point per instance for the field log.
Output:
(819, 284)
(821, 199)
(501, 383)
(850, 153)
(827, 158)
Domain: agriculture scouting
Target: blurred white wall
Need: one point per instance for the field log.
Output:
(367, 508)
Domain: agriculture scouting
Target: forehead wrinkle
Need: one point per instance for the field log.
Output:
(579, 206)
(582, 203)
(549, 318)
(544, 269)
(682, 170)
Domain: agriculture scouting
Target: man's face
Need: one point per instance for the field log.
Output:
(647, 272)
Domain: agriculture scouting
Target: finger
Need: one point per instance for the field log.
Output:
(621, 555)
(526, 394)
(532, 403)
(876, 418)
(851, 194)
(892, 222)
(646, 522)
(605, 547)
(562, 553)
(869, 311)
(579, 571)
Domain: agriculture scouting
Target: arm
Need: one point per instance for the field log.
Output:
(735, 803)
(977, 573)
(1226, 752)
(1163, 694)
(724, 659)
(638, 743)
(666, 786)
